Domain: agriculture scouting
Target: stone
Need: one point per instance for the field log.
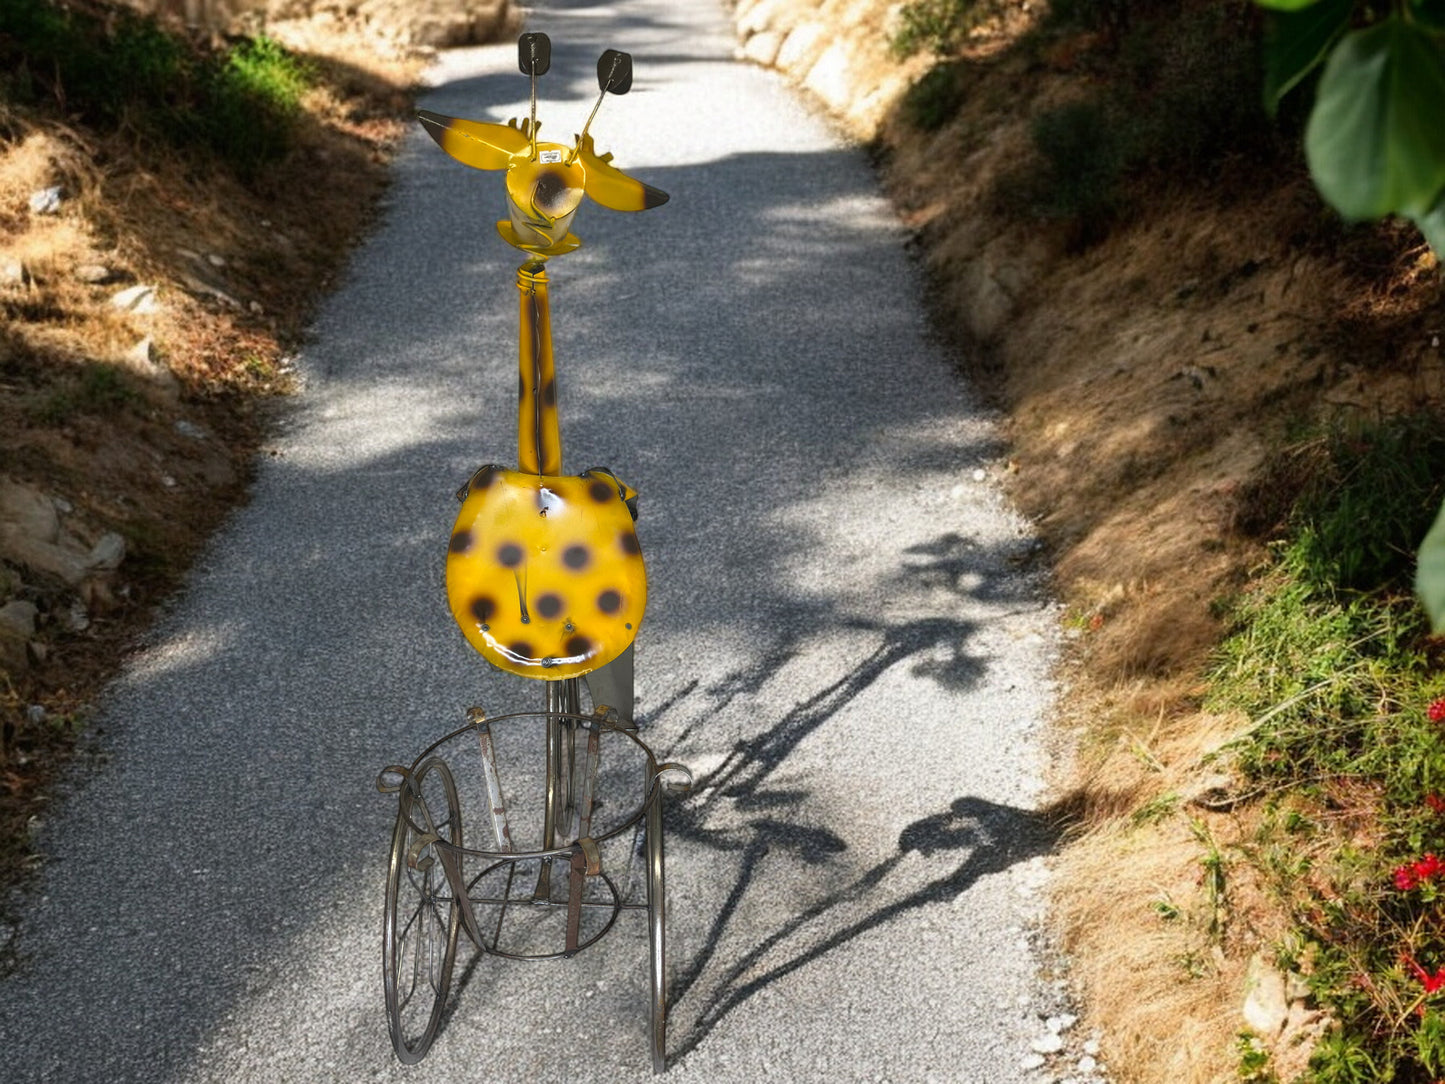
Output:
(1061, 1023)
(140, 299)
(18, 617)
(1265, 1005)
(1033, 1061)
(190, 429)
(25, 510)
(801, 47)
(1050, 1043)
(762, 48)
(143, 360)
(31, 535)
(13, 272)
(96, 274)
(47, 201)
(107, 554)
(831, 77)
(17, 625)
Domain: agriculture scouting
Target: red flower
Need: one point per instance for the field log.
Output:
(1414, 874)
(1435, 802)
(1432, 983)
(1436, 711)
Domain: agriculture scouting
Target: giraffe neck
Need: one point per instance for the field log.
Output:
(539, 440)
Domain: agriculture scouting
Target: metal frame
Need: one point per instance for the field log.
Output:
(449, 881)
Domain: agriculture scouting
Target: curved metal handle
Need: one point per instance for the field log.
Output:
(679, 786)
(392, 778)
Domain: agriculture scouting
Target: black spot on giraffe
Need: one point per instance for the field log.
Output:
(579, 645)
(549, 605)
(483, 608)
(609, 601)
(577, 557)
(628, 541)
(549, 393)
(521, 649)
(461, 541)
(601, 492)
(509, 554)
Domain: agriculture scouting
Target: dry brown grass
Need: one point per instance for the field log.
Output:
(237, 268)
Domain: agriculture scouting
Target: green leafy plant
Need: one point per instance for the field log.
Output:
(242, 102)
(939, 26)
(1374, 140)
(1333, 666)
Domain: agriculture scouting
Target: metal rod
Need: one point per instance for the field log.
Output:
(501, 829)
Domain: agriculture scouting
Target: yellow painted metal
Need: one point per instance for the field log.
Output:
(545, 575)
(545, 181)
(539, 440)
(609, 186)
(479, 144)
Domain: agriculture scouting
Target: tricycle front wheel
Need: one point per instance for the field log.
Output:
(423, 917)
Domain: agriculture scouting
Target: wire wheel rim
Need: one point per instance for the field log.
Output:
(422, 917)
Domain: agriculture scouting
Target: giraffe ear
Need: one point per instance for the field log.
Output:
(479, 144)
(612, 188)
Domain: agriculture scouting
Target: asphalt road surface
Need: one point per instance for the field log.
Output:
(843, 640)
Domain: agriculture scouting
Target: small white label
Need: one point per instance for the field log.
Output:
(550, 156)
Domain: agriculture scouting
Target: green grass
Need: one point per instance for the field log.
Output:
(1330, 657)
(938, 26)
(241, 102)
(97, 389)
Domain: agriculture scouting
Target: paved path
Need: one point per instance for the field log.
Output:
(838, 641)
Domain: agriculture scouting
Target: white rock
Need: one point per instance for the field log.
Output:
(980, 475)
(1265, 1005)
(190, 429)
(139, 299)
(1033, 1061)
(1087, 1064)
(36, 713)
(13, 272)
(1061, 1023)
(1091, 1047)
(47, 201)
(215, 260)
(1051, 1043)
(108, 553)
(142, 353)
(95, 273)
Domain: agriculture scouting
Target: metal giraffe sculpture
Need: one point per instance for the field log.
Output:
(545, 575)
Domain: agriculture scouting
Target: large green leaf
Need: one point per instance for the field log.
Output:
(1375, 141)
(1295, 41)
(1429, 12)
(1432, 225)
(1285, 5)
(1430, 573)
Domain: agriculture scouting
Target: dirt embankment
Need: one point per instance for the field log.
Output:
(152, 288)
(1151, 368)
